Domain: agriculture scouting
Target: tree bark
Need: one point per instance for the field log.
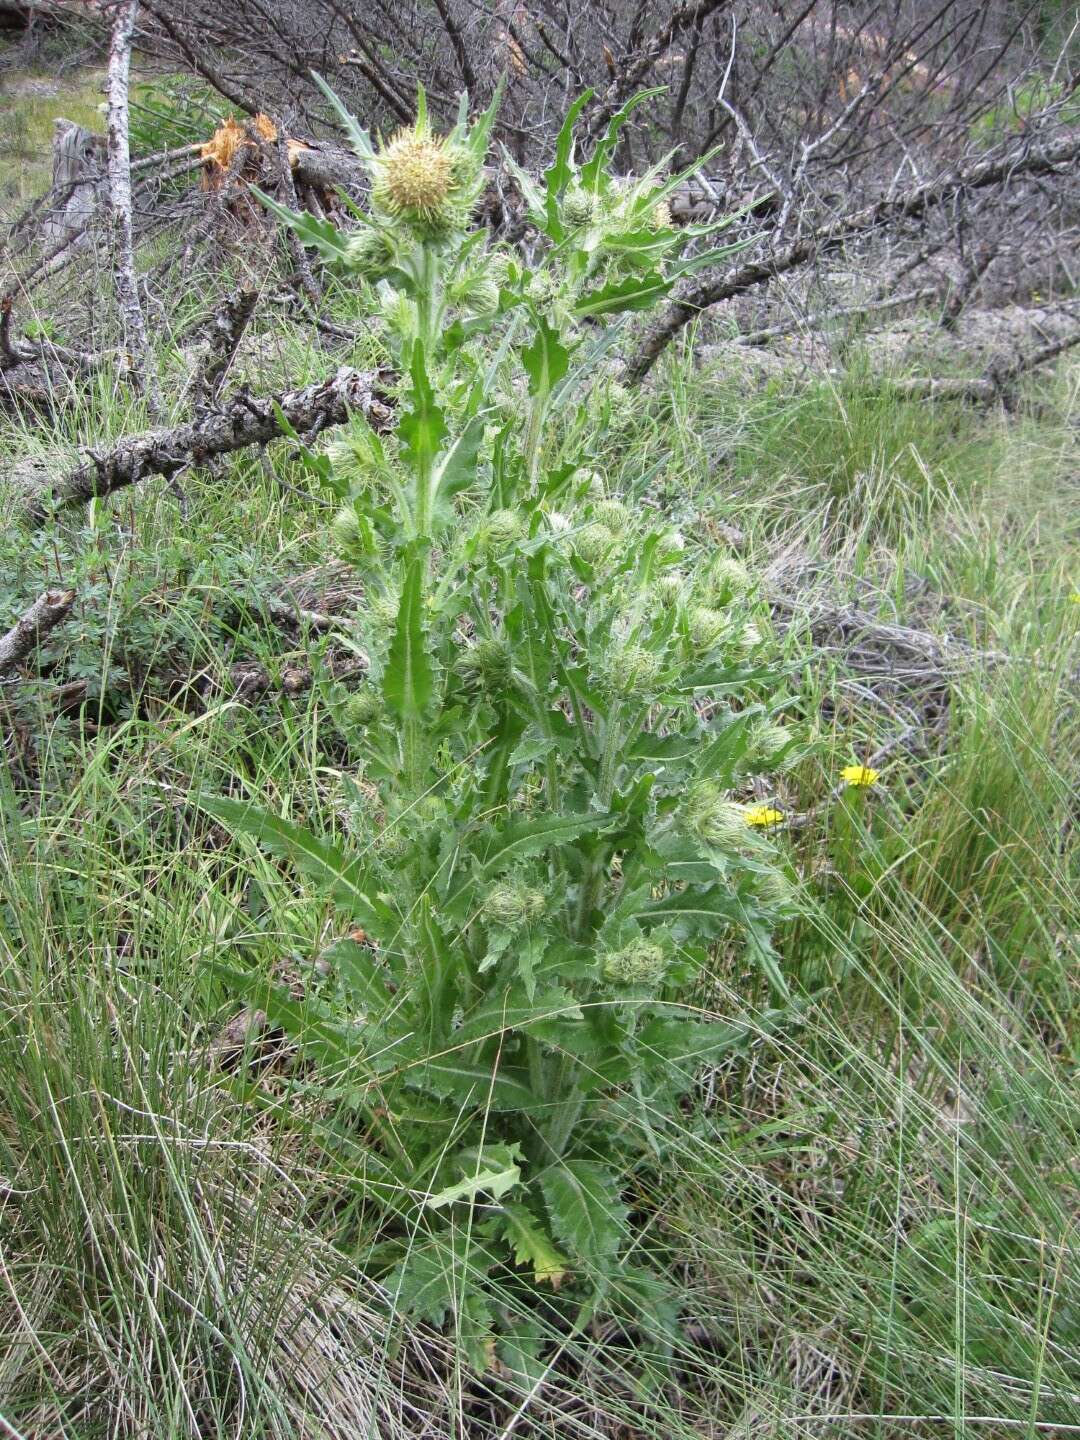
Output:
(119, 169)
(243, 421)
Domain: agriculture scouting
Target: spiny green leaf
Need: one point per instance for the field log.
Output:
(533, 1246)
(546, 360)
(524, 838)
(637, 292)
(494, 1170)
(422, 427)
(587, 1213)
(344, 879)
(467, 1082)
(320, 235)
(456, 469)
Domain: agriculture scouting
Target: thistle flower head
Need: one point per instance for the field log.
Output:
(628, 670)
(660, 219)
(725, 579)
(593, 542)
(345, 529)
(399, 312)
(642, 962)
(706, 626)
(382, 611)
(487, 665)
(580, 207)
(512, 902)
(768, 739)
(501, 528)
(425, 182)
(613, 514)
(369, 253)
(714, 819)
(364, 707)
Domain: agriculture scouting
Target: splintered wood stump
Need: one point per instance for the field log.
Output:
(79, 183)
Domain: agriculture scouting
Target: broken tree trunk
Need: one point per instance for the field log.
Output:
(27, 633)
(242, 421)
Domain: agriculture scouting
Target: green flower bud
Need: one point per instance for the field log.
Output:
(487, 665)
(543, 287)
(670, 587)
(369, 253)
(594, 543)
(628, 670)
(623, 405)
(776, 889)
(670, 546)
(706, 626)
(660, 217)
(501, 528)
(391, 844)
(345, 529)
(613, 514)
(642, 962)
(511, 902)
(750, 637)
(363, 708)
(477, 291)
(768, 739)
(724, 579)
(715, 820)
(399, 312)
(382, 611)
(579, 207)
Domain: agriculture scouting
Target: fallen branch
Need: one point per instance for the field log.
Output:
(26, 634)
(996, 381)
(244, 420)
(1022, 160)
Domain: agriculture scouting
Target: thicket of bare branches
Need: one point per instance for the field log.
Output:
(875, 151)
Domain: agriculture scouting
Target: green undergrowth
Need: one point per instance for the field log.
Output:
(863, 1215)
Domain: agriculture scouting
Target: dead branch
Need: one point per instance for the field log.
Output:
(26, 634)
(1027, 159)
(994, 384)
(226, 332)
(119, 167)
(243, 421)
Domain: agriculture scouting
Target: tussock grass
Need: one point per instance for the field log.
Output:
(870, 1218)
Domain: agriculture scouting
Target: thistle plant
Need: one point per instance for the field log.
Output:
(561, 710)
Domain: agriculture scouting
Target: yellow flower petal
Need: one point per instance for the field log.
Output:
(763, 815)
(859, 775)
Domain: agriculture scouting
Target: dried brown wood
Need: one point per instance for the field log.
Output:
(242, 421)
(43, 616)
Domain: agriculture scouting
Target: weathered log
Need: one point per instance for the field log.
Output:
(244, 420)
(28, 632)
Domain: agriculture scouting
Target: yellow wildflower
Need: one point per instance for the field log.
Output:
(763, 815)
(1075, 597)
(859, 775)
